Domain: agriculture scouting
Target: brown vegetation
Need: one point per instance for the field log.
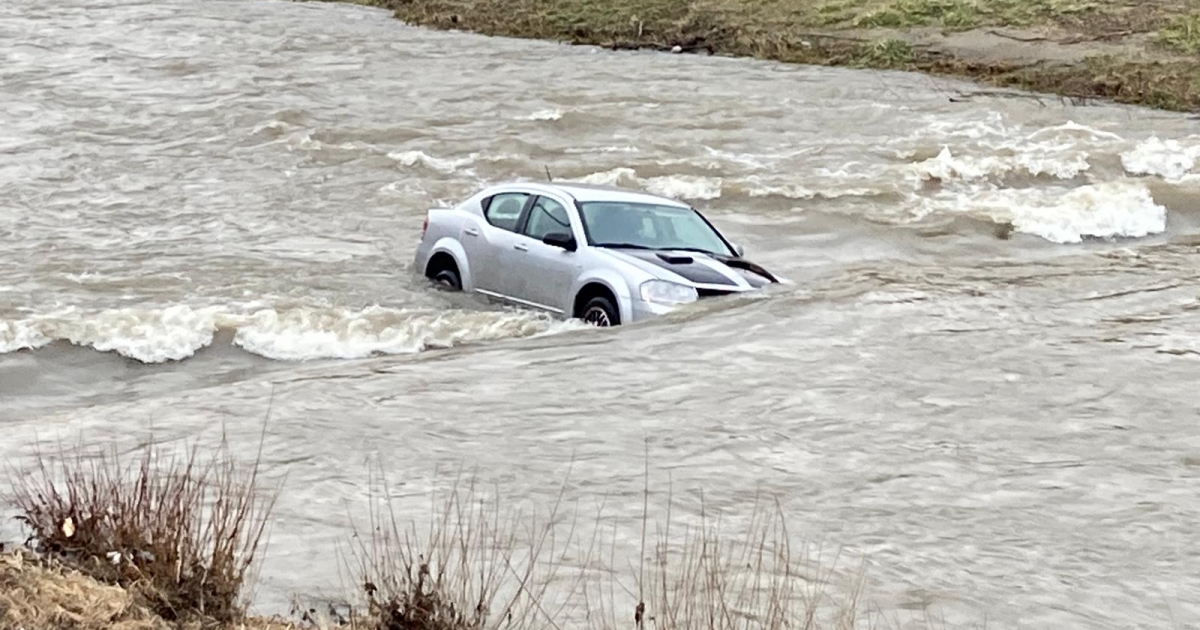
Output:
(34, 595)
(180, 535)
(1144, 52)
(480, 567)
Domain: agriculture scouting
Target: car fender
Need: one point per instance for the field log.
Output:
(613, 281)
(450, 245)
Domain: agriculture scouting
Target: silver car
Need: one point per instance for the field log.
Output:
(605, 255)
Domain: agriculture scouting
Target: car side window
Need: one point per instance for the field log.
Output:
(547, 216)
(504, 209)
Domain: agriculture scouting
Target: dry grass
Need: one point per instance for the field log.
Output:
(34, 596)
(477, 567)
(38, 593)
(473, 567)
(180, 534)
(1165, 85)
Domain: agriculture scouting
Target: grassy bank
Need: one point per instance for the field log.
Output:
(152, 541)
(1144, 52)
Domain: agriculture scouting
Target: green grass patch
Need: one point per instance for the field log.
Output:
(947, 14)
(954, 14)
(884, 53)
(1182, 34)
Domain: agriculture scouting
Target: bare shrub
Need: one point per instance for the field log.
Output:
(474, 568)
(181, 533)
(478, 568)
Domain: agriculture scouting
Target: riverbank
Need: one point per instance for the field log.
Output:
(126, 542)
(1126, 51)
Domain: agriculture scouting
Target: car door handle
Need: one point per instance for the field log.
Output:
(471, 232)
(521, 247)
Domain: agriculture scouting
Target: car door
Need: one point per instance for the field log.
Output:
(487, 240)
(544, 273)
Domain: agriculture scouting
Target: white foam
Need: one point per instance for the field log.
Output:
(150, 336)
(277, 127)
(20, 335)
(614, 177)
(402, 188)
(675, 186)
(685, 186)
(1055, 161)
(695, 187)
(790, 191)
(757, 160)
(1074, 129)
(604, 149)
(1168, 159)
(441, 165)
(304, 333)
(1106, 210)
(341, 334)
(543, 115)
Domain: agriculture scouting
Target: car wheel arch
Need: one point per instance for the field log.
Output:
(588, 286)
(449, 249)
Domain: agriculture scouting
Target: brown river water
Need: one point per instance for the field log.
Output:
(980, 383)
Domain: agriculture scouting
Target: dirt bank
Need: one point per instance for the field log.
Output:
(1143, 52)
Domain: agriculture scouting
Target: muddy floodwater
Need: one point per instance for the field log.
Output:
(981, 383)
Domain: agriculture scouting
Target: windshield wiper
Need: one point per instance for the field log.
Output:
(622, 246)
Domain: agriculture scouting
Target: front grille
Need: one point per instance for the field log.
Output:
(713, 292)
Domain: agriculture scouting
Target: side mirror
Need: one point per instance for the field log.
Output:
(739, 250)
(560, 239)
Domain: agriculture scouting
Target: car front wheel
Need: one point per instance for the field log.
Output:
(600, 311)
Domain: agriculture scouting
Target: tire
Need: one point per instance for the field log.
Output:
(447, 279)
(600, 311)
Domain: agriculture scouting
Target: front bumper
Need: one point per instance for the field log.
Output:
(641, 310)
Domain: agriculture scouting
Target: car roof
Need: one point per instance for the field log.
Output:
(595, 192)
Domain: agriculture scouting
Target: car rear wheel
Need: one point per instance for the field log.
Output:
(448, 279)
(600, 311)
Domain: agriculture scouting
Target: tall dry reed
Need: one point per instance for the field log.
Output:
(477, 567)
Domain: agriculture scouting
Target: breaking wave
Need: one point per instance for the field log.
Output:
(685, 186)
(441, 165)
(988, 176)
(543, 115)
(177, 332)
(704, 188)
(1105, 210)
(947, 166)
(1168, 159)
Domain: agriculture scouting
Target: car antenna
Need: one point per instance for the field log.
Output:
(548, 177)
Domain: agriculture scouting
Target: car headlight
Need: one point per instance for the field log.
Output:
(663, 292)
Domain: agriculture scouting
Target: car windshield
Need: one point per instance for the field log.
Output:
(649, 226)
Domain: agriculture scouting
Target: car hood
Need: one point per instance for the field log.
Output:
(697, 268)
